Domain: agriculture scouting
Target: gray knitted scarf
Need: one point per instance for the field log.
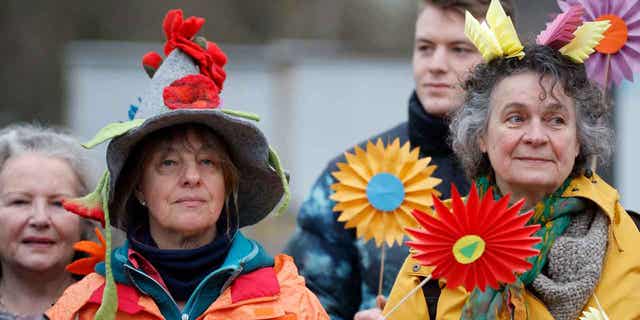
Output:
(574, 265)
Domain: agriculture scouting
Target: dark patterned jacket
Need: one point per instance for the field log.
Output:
(341, 269)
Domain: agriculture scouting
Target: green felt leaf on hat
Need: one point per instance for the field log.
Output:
(201, 41)
(274, 160)
(242, 114)
(112, 130)
(109, 305)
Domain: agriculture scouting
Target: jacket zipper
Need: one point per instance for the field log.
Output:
(185, 316)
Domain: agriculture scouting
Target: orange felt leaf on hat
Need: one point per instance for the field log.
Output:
(96, 253)
(192, 92)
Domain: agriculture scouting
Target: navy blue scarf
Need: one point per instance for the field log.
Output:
(431, 134)
(427, 131)
(183, 269)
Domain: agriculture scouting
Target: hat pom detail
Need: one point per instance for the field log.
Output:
(192, 92)
(151, 62)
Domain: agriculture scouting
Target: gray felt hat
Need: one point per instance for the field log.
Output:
(261, 183)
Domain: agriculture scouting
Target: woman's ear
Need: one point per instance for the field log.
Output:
(139, 196)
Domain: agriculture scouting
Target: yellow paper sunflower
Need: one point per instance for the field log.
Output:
(378, 188)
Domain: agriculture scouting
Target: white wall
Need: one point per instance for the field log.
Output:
(627, 155)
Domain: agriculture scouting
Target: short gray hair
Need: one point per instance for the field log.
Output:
(23, 138)
(18, 139)
(595, 134)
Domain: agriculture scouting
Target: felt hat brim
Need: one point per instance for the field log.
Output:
(260, 187)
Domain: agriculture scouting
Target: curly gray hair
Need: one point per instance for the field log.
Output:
(470, 122)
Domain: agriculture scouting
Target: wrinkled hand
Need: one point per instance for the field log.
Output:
(369, 314)
(373, 313)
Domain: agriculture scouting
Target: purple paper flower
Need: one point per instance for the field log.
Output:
(622, 39)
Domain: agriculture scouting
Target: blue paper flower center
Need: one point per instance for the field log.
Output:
(385, 192)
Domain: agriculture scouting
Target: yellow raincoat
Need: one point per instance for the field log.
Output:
(618, 289)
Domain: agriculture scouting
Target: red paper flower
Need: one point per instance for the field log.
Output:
(192, 92)
(180, 35)
(96, 251)
(621, 41)
(476, 245)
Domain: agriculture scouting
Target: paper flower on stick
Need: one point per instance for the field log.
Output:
(378, 188)
(621, 40)
(496, 36)
(478, 244)
(96, 251)
(593, 314)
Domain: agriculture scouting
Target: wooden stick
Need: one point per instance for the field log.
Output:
(407, 297)
(607, 65)
(604, 314)
(382, 256)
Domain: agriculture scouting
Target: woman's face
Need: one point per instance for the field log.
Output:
(36, 233)
(531, 138)
(183, 186)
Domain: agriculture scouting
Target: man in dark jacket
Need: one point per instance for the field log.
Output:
(340, 269)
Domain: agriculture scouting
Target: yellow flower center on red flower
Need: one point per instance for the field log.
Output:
(468, 249)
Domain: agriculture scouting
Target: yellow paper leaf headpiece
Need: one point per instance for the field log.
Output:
(586, 38)
(495, 37)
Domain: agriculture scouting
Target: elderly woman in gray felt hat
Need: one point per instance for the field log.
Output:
(183, 177)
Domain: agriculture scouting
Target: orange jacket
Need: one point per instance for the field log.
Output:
(244, 299)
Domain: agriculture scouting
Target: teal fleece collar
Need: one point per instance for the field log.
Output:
(245, 255)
